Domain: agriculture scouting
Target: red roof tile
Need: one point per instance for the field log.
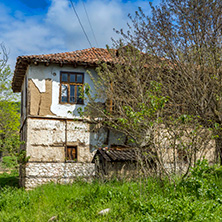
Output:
(90, 57)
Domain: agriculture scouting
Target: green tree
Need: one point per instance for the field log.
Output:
(188, 35)
(9, 111)
(133, 103)
(9, 127)
(185, 37)
(170, 73)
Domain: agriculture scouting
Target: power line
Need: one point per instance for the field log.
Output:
(90, 23)
(80, 23)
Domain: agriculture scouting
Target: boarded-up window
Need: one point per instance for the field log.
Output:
(71, 153)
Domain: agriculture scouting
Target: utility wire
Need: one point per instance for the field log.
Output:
(90, 23)
(80, 23)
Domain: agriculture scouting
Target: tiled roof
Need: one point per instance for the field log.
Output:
(89, 57)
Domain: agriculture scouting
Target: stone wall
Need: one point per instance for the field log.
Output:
(35, 174)
(47, 138)
(45, 147)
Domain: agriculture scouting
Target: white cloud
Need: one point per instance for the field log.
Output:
(59, 29)
(104, 16)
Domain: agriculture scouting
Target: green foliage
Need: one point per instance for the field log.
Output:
(8, 180)
(131, 106)
(144, 110)
(9, 127)
(9, 110)
(22, 158)
(185, 38)
(144, 200)
(202, 180)
(9, 162)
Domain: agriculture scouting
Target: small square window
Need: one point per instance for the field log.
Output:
(71, 153)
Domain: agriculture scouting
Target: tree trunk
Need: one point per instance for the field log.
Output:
(1, 156)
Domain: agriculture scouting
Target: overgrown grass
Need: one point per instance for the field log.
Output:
(7, 180)
(197, 198)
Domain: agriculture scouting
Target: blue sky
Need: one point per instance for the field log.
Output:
(49, 26)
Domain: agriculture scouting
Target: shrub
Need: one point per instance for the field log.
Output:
(9, 162)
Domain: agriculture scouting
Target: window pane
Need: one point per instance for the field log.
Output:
(64, 77)
(72, 94)
(69, 154)
(79, 94)
(64, 93)
(72, 77)
(72, 153)
(79, 78)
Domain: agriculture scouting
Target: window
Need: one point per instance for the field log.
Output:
(71, 153)
(71, 85)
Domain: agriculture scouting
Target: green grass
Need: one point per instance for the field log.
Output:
(198, 198)
(9, 179)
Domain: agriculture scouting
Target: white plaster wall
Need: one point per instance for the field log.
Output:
(41, 72)
(41, 134)
(40, 84)
(46, 139)
(49, 154)
(78, 131)
(45, 132)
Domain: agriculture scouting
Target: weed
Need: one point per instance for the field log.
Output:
(196, 198)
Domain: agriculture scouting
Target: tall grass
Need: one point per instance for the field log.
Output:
(197, 198)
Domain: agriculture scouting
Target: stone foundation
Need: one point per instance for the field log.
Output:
(35, 174)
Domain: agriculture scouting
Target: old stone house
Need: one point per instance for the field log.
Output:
(59, 145)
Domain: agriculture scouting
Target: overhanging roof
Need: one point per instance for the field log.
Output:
(90, 57)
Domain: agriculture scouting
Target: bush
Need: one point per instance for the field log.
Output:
(9, 162)
(203, 180)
